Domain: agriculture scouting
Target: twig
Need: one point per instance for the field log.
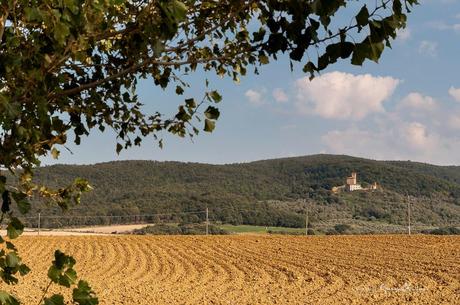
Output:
(45, 292)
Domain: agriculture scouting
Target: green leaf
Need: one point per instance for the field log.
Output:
(61, 260)
(119, 148)
(315, 24)
(55, 153)
(54, 274)
(61, 31)
(297, 54)
(215, 96)
(82, 185)
(68, 278)
(55, 299)
(23, 269)
(7, 299)
(2, 183)
(397, 6)
(175, 11)
(6, 202)
(83, 295)
(346, 48)
(71, 5)
(377, 49)
(22, 202)
(190, 103)
(61, 271)
(179, 10)
(361, 52)
(182, 115)
(33, 14)
(15, 228)
(263, 59)
(10, 246)
(179, 90)
(363, 17)
(209, 125)
(12, 260)
(212, 113)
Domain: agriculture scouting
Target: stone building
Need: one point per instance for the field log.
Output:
(352, 183)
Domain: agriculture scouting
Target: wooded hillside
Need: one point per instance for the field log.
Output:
(264, 192)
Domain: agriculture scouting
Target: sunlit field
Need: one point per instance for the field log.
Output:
(254, 269)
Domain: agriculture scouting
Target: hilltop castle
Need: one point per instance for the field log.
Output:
(353, 185)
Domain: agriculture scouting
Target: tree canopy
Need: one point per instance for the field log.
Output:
(69, 66)
(73, 65)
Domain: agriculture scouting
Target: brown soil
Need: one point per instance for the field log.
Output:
(146, 270)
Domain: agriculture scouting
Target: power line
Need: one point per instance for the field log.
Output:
(111, 216)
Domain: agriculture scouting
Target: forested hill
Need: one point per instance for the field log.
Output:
(149, 187)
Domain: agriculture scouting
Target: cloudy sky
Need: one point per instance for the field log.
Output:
(407, 107)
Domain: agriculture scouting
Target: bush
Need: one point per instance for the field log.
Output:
(183, 229)
(200, 229)
(373, 213)
(280, 232)
(339, 229)
(342, 228)
(159, 229)
(443, 231)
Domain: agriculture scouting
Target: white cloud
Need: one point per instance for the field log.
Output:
(402, 141)
(417, 136)
(255, 97)
(418, 101)
(429, 48)
(453, 27)
(289, 127)
(338, 95)
(442, 26)
(280, 96)
(403, 34)
(455, 93)
(436, 2)
(395, 139)
(364, 143)
(454, 121)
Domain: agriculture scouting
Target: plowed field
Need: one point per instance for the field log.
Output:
(146, 270)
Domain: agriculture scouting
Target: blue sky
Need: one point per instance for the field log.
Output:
(407, 107)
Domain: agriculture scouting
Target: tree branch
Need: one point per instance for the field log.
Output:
(3, 19)
(208, 31)
(132, 69)
(154, 62)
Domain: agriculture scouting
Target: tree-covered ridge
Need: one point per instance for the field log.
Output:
(246, 192)
(267, 179)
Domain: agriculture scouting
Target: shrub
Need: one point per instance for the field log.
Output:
(443, 231)
(183, 229)
(200, 229)
(342, 228)
(281, 232)
(159, 229)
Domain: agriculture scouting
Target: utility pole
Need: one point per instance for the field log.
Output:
(38, 223)
(408, 212)
(306, 216)
(306, 223)
(207, 221)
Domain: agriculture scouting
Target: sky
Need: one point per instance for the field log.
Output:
(406, 107)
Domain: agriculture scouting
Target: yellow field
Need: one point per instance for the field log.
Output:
(255, 269)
